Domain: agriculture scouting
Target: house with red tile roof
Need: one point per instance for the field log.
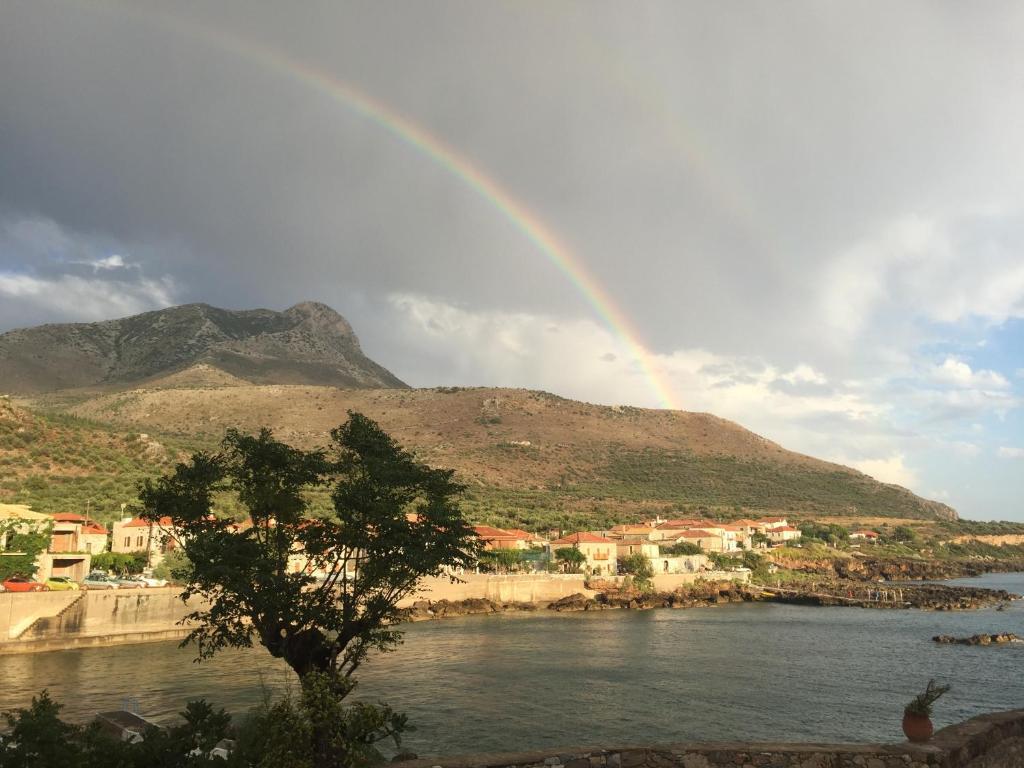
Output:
(87, 535)
(864, 535)
(499, 538)
(600, 552)
(133, 534)
(783, 534)
(709, 541)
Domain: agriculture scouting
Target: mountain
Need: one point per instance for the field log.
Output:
(309, 343)
(531, 458)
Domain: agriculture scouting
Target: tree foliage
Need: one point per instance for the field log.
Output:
(317, 588)
(639, 567)
(571, 558)
(174, 567)
(684, 548)
(501, 560)
(830, 533)
(119, 562)
(24, 543)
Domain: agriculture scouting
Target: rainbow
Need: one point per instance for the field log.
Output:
(459, 166)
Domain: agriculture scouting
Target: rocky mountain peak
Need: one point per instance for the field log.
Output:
(309, 343)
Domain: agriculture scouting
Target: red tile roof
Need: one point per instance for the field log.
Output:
(489, 533)
(524, 535)
(68, 517)
(682, 523)
(138, 522)
(865, 533)
(94, 528)
(583, 537)
(786, 528)
(697, 534)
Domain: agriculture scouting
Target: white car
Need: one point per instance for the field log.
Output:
(151, 582)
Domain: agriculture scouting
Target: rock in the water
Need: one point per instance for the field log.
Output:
(1001, 638)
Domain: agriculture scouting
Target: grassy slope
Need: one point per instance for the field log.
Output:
(61, 463)
(529, 458)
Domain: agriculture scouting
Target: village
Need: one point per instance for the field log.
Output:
(75, 554)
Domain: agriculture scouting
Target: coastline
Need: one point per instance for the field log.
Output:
(157, 617)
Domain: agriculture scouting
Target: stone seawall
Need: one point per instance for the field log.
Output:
(46, 621)
(516, 588)
(42, 621)
(988, 741)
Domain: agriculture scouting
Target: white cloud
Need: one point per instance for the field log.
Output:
(797, 407)
(114, 261)
(944, 270)
(889, 470)
(1010, 452)
(958, 373)
(804, 374)
(72, 296)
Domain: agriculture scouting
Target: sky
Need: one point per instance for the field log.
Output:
(805, 217)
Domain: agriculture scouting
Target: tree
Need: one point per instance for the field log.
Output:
(904, 534)
(502, 560)
(24, 543)
(684, 548)
(174, 567)
(570, 558)
(638, 566)
(119, 562)
(317, 587)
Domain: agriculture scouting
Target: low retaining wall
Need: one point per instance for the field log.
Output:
(44, 621)
(19, 610)
(988, 741)
(48, 621)
(513, 588)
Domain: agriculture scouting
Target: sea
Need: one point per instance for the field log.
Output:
(750, 672)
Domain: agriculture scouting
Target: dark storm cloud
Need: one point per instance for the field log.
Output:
(803, 195)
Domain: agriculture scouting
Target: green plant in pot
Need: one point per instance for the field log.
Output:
(917, 723)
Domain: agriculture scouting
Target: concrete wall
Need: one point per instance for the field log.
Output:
(27, 618)
(668, 582)
(515, 588)
(18, 610)
(49, 620)
(989, 741)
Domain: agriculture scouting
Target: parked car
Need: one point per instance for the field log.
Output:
(130, 582)
(24, 584)
(61, 583)
(152, 582)
(99, 580)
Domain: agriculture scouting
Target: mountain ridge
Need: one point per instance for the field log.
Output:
(189, 372)
(518, 448)
(308, 343)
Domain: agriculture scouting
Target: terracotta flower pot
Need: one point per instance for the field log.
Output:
(918, 728)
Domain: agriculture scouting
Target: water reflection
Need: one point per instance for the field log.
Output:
(769, 672)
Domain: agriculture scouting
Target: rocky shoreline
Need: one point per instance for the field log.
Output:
(1001, 638)
(934, 597)
(900, 569)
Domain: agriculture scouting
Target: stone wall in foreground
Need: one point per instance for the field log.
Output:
(988, 741)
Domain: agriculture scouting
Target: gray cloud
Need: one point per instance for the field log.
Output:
(796, 188)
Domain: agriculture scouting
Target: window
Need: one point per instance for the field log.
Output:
(127, 541)
(138, 541)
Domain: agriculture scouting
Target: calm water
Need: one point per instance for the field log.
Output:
(769, 672)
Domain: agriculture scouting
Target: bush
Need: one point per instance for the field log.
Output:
(120, 562)
(174, 567)
(279, 735)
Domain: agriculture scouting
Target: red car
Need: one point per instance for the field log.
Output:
(23, 584)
